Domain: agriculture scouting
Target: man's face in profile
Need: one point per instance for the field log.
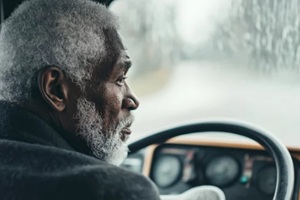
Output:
(103, 116)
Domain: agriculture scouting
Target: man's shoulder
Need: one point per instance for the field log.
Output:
(41, 172)
(104, 182)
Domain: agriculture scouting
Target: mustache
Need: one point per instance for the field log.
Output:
(127, 121)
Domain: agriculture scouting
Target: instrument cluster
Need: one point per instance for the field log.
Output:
(240, 173)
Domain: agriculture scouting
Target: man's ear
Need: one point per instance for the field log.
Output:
(52, 85)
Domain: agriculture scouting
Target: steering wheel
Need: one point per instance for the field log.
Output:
(280, 154)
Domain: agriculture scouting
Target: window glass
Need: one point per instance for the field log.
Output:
(199, 59)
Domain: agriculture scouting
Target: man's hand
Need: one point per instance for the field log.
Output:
(198, 193)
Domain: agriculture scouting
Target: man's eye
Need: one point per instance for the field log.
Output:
(121, 80)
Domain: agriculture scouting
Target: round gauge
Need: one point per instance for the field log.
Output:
(267, 180)
(222, 170)
(166, 170)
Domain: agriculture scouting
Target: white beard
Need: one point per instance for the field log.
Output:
(105, 145)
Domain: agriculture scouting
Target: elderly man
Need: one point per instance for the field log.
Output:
(67, 106)
(66, 109)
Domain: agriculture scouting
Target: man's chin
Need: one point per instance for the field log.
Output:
(119, 156)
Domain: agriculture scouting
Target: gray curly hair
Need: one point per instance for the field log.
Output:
(68, 34)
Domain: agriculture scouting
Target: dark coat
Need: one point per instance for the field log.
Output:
(37, 163)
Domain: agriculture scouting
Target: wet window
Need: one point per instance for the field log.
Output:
(199, 59)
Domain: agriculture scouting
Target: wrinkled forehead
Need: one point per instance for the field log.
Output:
(116, 47)
(114, 42)
(116, 55)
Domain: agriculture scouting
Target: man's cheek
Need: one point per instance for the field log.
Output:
(114, 109)
(110, 121)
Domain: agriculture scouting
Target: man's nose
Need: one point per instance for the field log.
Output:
(131, 102)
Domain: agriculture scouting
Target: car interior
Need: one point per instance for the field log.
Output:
(233, 52)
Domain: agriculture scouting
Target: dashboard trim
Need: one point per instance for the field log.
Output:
(251, 145)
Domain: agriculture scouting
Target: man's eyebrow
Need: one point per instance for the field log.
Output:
(127, 64)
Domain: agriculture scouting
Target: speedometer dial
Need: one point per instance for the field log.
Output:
(267, 180)
(167, 170)
(222, 170)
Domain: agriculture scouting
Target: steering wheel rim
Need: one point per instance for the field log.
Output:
(280, 154)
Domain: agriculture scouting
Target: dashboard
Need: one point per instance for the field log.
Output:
(242, 170)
